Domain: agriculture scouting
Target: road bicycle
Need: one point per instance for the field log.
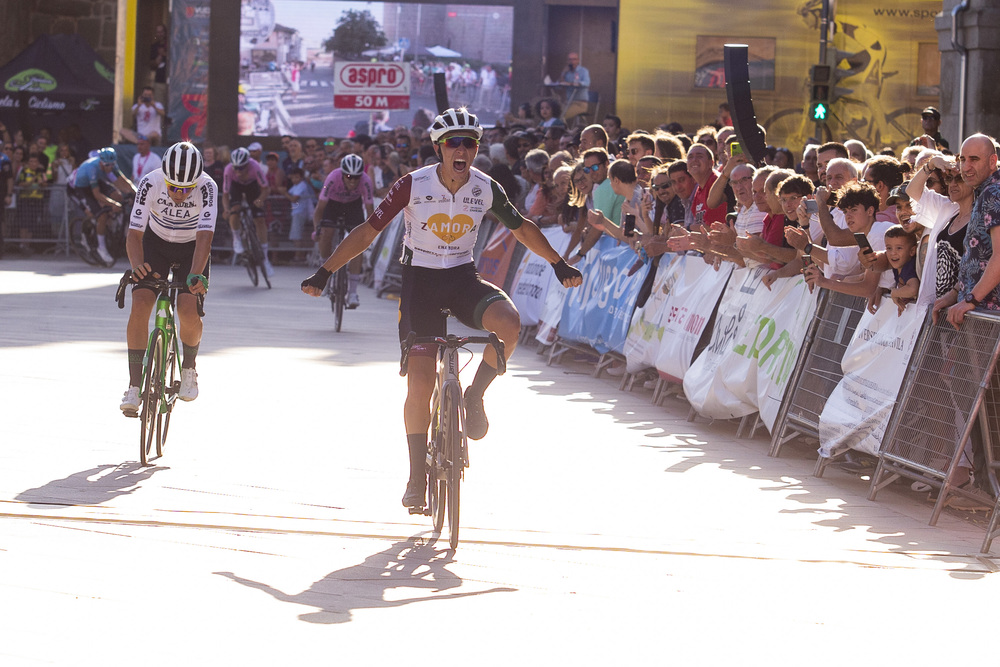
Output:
(447, 446)
(160, 373)
(336, 285)
(253, 254)
(84, 236)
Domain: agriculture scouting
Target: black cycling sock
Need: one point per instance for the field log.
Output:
(485, 374)
(135, 367)
(417, 444)
(190, 352)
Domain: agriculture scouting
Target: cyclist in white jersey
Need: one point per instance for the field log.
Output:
(173, 222)
(443, 207)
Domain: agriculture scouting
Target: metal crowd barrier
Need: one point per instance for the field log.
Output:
(948, 384)
(37, 219)
(818, 369)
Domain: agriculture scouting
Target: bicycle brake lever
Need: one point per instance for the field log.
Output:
(122, 284)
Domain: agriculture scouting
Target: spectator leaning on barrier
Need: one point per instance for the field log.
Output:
(884, 173)
(639, 144)
(979, 270)
(535, 164)
(700, 163)
(684, 187)
(860, 202)
(31, 197)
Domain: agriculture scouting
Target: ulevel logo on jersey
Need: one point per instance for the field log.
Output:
(449, 229)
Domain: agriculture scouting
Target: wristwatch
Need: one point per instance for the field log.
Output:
(971, 299)
(809, 248)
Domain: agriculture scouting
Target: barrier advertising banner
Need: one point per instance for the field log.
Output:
(498, 254)
(754, 347)
(703, 385)
(696, 293)
(645, 334)
(599, 312)
(534, 278)
(857, 412)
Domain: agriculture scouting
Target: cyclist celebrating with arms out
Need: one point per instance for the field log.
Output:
(443, 208)
(242, 179)
(173, 222)
(341, 198)
(98, 184)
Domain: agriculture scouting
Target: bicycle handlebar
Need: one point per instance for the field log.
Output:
(452, 341)
(157, 284)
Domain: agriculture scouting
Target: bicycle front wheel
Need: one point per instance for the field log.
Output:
(454, 451)
(172, 385)
(339, 297)
(254, 248)
(151, 393)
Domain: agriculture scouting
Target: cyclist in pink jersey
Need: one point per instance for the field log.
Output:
(346, 197)
(443, 207)
(243, 179)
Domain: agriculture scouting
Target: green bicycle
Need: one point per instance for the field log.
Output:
(160, 375)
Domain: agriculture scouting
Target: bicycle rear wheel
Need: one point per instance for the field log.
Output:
(254, 248)
(172, 385)
(455, 456)
(151, 393)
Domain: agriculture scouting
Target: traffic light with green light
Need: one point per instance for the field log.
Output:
(819, 101)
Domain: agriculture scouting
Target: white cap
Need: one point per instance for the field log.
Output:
(255, 146)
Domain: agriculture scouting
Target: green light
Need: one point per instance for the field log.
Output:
(819, 111)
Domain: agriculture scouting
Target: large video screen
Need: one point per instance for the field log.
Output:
(296, 68)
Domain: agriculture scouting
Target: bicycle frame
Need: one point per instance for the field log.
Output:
(165, 320)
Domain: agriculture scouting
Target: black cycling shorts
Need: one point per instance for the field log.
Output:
(249, 191)
(160, 255)
(426, 292)
(352, 214)
(87, 199)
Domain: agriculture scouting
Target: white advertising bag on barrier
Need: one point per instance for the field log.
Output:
(696, 293)
(535, 277)
(753, 371)
(857, 412)
(642, 345)
(703, 385)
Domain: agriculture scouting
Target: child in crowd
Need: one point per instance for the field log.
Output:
(901, 251)
(303, 199)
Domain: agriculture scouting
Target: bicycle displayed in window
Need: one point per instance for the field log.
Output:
(253, 253)
(160, 372)
(447, 446)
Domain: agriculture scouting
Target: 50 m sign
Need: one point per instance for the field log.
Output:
(371, 86)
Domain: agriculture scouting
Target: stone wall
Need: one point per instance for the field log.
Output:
(23, 21)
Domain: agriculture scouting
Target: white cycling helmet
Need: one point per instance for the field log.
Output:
(182, 164)
(239, 157)
(352, 165)
(455, 119)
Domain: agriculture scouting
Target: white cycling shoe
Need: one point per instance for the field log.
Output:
(130, 402)
(189, 385)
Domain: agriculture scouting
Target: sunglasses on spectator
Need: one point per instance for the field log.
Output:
(656, 188)
(592, 168)
(455, 142)
(179, 189)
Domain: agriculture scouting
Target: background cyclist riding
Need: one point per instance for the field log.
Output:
(344, 192)
(443, 207)
(98, 184)
(173, 222)
(242, 179)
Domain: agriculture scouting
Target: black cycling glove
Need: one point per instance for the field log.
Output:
(318, 279)
(564, 271)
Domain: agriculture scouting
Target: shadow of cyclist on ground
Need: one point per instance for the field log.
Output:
(90, 487)
(411, 564)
